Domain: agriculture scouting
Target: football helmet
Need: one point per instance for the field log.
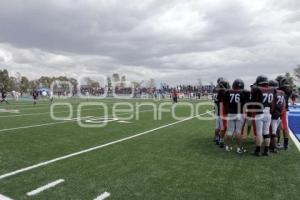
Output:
(262, 80)
(238, 84)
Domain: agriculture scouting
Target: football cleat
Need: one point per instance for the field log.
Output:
(279, 146)
(241, 150)
(228, 148)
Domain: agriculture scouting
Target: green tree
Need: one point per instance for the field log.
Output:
(291, 81)
(33, 84)
(151, 83)
(24, 84)
(74, 83)
(45, 81)
(4, 80)
(123, 78)
(12, 84)
(92, 83)
(297, 72)
(115, 77)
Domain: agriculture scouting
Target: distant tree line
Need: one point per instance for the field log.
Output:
(23, 84)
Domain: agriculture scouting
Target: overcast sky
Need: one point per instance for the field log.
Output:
(174, 41)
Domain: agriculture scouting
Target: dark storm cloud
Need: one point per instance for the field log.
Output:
(167, 39)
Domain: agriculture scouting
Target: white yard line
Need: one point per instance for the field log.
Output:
(53, 123)
(103, 196)
(4, 110)
(45, 187)
(29, 114)
(13, 173)
(2, 197)
(37, 125)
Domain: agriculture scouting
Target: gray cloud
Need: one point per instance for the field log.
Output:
(170, 40)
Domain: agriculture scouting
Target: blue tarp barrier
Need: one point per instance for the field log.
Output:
(294, 120)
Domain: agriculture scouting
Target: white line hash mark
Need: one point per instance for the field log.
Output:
(2, 197)
(103, 196)
(45, 187)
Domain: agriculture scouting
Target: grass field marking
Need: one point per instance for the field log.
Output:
(45, 187)
(4, 110)
(30, 114)
(103, 196)
(2, 197)
(38, 125)
(295, 140)
(13, 173)
(53, 123)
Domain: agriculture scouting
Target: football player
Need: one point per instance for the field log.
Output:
(175, 96)
(51, 98)
(235, 99)
(3, 96)
(221, 122)
(277, 110)
(35, 95)
(263, 97)
(285, 86)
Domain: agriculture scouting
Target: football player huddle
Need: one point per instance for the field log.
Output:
(264, 107)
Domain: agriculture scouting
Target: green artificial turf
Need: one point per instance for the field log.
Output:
(175, 162)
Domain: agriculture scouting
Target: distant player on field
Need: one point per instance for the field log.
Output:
(51, 96)
(3, 97)
(35, 95)
(175, 96)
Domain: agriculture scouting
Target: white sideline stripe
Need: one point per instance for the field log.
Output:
(103, 196)
(45, 187)
(295, 140)
(93, 148)
(2, 197)
(52, 123)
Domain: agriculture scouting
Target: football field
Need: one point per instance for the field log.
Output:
(140, 158)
